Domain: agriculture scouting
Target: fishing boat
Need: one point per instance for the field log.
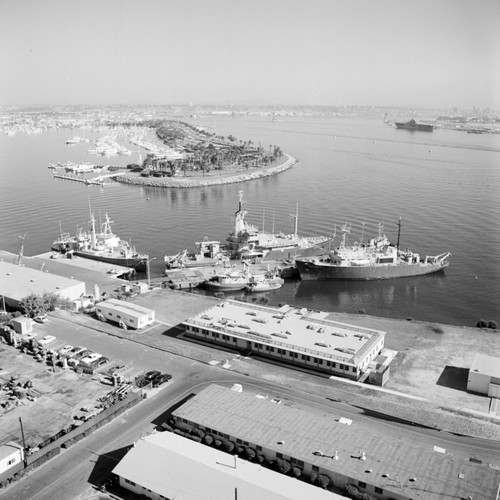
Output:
(264, 282)
(378, 259)
(230, 282)
(103, 246)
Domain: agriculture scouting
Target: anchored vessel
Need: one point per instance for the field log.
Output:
(245, 242)
(379, 259)
(413, 125)
(104, 246)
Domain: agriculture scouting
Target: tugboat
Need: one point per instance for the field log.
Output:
(377, 260)
(264, 282)
(103, 246)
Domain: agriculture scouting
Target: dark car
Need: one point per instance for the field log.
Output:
(101, 361)
(147, 378)
(161, 379)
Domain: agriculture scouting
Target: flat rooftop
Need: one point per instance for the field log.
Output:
(295, 329)
(126, 307)
(177, 467)
(486, 365)
(91, 272)
(399, 462)
(16, 282)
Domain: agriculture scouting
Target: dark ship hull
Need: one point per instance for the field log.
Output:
(313, 269)
(413, 125)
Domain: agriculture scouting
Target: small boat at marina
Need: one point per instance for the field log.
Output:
(264, 282)
(101, 245)
(378, 259)
(230, 282)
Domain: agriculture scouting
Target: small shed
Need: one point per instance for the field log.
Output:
(484, 376)
(11, 454)
(22, 325)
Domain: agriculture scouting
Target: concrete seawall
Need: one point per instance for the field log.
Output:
(202, 182)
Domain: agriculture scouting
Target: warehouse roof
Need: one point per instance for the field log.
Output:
(293, 328)
(16, 282)
(395, 462)
(176, 467)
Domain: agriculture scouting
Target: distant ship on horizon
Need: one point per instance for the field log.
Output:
(413, 125)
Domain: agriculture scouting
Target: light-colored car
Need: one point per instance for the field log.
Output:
(40, 319)
(65, 349)
(76, 351)
(46, 340)
(91, 358)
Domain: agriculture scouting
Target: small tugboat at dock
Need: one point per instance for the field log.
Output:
(379, 259)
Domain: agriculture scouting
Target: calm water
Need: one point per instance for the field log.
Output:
(444, 185)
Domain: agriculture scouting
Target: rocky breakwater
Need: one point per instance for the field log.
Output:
(199, 181)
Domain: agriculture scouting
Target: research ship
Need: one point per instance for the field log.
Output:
(104, 246)
(248, 244)
(413, 125)
(378, 259)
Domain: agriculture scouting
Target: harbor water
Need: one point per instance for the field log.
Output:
(444, 185)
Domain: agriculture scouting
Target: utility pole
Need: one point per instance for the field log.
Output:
(147, 271)
(25, 461)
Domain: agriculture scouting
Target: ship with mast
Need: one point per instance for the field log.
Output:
(379, 259)
(247, 243)
(101, 245)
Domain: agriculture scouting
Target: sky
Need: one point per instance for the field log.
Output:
(409, 53)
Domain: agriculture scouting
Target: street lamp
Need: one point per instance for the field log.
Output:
(147, 270)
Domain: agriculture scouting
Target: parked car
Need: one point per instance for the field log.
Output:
(46, 340)
(101, 361)
(65, 350)
(88, 360)
(77, 349)
(147, 378)
(40, 319)
(161, 379)
(82, 353)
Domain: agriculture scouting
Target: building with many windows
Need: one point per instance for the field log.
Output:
(386, 463)
(301, 337)
(167, 466)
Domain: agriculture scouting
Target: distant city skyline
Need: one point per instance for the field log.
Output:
(426, 54)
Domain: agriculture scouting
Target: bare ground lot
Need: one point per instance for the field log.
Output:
(59, 395)
(433, 360)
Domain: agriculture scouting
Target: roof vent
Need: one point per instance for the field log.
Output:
(385, 475)
(280, 442)
(412, 479)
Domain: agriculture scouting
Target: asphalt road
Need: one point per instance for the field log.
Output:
(89, 461)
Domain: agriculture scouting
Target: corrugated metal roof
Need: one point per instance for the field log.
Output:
(302, 431)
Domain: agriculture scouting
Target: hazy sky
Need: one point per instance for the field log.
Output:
(428, 53)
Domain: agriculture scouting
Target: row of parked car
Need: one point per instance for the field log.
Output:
(81, 355)
(154, 377)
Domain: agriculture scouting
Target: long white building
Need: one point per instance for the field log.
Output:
(301, 337)
(126, 314)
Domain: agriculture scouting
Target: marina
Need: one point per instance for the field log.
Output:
(168, 221)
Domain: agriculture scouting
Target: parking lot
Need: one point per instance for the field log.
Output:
(50, 383)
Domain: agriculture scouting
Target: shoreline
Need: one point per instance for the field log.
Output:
(184, 182)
